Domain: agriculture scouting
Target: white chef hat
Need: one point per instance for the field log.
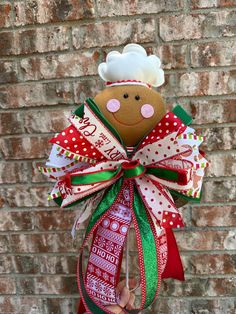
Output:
(131, 67)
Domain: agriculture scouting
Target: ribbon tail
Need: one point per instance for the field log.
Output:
(174, 267)
(148, 247)
(92, 305)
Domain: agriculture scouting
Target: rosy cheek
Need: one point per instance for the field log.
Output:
(147, 111)
(113, 105)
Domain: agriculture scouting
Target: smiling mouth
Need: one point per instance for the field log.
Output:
(127, 124)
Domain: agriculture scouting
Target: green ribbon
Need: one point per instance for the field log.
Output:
(166, 174)
(149, 252)
(96, 177)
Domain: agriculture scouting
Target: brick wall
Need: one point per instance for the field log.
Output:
(49, 52)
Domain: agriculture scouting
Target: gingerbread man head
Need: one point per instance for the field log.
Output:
(128, 102)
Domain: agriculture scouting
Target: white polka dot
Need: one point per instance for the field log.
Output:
(73, 139)
(164, 220)
(57, 142)
(152, 137)
(84, 149)
(63, 133)
(159, 123)
(67, 147)
(167, 116)
(71, 131)
(92, 147)
(75, 146)
(173, 215)
(171, 222)
(167, 123)
(178, 226)
(94, 154)
(175, 116)
(167, 131)
(65, 141)
(166, 213)
(160, 131)
(175, 123)
(182, 124)
(77, 152)
(83, 143)
(81, 137)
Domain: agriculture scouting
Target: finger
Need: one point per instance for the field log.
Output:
(116, 309)
(130, 304)
(124, 297)
(122, 284)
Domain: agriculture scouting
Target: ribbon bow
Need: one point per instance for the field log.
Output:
(93, 166)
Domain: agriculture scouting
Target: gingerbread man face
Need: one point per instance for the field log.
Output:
(129, 103)
(132, 110)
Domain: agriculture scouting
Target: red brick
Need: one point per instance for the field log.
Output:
(213, 306)
(115, 8)
(205, 83)
(43, 39)
(45, 121)
(42, 243)
(203, 240)
(35, 40)
(15, 221)
(222, 165)
(48, 285)
(5, 16)
(34, 304)
(8, 70)
(218, 216)
(87, 88)
(27, 147)
(18, 264)
(22, 196)
(60, 66)
(177, 27)
(218, 138)
(172, 56)
(170, 306)
(4, 244)
(198, 4)
(213, 54)
(13, 172)
(195, 26)
(7, 285)
(218, 191)
(6, 266)
(58, 219)
(199, 287)
(58, 264)
(45, 11)
(35, 95)
(212, 111)
(211, 264)
(36, 175)
(6, 43)
(10, 123)
(113, 33)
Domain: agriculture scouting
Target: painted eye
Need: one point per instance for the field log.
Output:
(137, 97)
(125, 95)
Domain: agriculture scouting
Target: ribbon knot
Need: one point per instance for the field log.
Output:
(132, 169)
